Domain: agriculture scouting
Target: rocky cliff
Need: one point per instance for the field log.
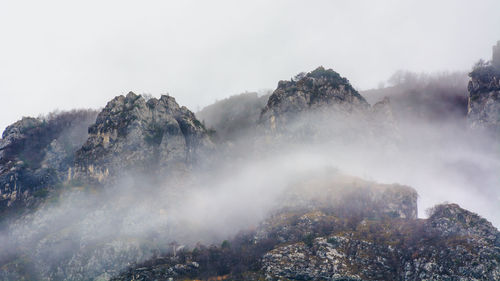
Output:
(35, 154)
(483, 109)
(322, 104)
(319, 90)
(135, 135)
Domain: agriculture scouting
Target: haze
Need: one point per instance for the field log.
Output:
(62, 55)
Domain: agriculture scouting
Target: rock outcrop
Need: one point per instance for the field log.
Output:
(323, 106)
(464, 247)
(330, 258)
(35, 154)
(14, 185)
(319, 91)
(483, 109)
(130, 134)
(135, 135)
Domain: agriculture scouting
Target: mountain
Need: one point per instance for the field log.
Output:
(125, 194)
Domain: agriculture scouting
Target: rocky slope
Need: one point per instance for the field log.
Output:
(453, 244)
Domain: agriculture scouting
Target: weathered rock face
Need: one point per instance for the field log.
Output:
(330, 258)
(318, 90)
(483, 109)
(484, 103)
(35, 154)
(451, 220)
(145, 136)
(430, 98)
(465, 247)
(323, 106)
(12, 167)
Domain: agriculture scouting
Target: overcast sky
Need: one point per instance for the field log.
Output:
(69, 54)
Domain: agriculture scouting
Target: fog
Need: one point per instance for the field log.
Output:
(61, 55)
(246, 182)
(58, 54)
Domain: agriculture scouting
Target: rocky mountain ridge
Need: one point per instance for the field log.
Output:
(337, 229)
(35, 154)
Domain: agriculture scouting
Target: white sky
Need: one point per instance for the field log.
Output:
(80, 54)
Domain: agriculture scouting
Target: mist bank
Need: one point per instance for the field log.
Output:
(428, 97)
(151, 175)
